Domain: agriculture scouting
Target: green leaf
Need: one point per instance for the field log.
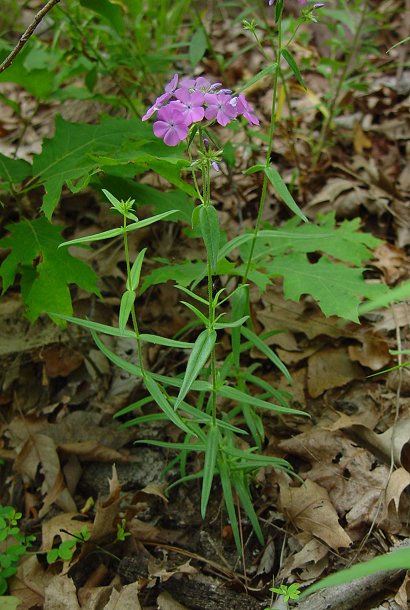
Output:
(135, 273)
(242, 490)
(399, 293)
(116, 332)
(127, 303)
(225, 476)
(242, 397)
(12, 172)
(268, 71)
(157, 394)
(234, 324)
(196, 361)
(46, 270)
(209, 224)
(120, 231)
(283, 192)
(201, 317)
(197, 47)
(265, 349)
(396, 560)
(182, 273)
(175, 382)
(9, 602)
(110, 11)
(68, 155)
(337, 288)
(211, 453)
(293, 66)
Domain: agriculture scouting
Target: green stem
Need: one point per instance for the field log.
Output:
(272, 128)
(133, 314)
(342, 77)
(206, 173)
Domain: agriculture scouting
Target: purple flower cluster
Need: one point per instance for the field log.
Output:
(191, 101)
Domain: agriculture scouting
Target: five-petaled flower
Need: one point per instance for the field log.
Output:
(170, 126)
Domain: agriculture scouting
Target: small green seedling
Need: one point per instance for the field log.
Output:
(13, 544)
(288, 592)
(122, 534)
(66, 549)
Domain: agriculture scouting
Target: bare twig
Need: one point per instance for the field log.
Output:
(26, 35)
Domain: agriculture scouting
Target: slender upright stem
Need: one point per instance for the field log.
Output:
(133, 315)
(342, 77)
(206, 195)
(272, 128)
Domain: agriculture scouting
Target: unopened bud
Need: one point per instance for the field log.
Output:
(206, 143)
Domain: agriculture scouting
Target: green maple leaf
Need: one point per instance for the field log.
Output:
(337, 288)
(78, 150)
(46, 270)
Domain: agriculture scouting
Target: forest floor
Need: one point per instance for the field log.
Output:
(67, 464)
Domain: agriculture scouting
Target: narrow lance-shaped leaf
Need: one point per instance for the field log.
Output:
(209, 223)
(251, 336)
(134, 279)
(199, 355)
(127, 303)
(115, 232)
(246, 501)
(283, 192)
(229, 501)
(293, 66)
(155, 390)
(211, 453)
(116, 332)
(397, 560)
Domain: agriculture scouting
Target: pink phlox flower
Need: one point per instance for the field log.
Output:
(244, 108)
(170, 126)
(219, 107)
(162, 99)
(196, 84)
(192, 103)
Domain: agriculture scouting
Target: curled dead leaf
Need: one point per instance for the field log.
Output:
(309, 508)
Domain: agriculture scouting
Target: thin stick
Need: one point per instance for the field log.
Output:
(26, 35)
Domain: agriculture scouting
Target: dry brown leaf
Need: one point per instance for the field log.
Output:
(156, 489)
(166, 602)
(399, 480)
(360, 140)
(94, 598)
(71, 522)
(403, 594)
(312, 552)
(40, 449)
(93, 451)
(309, 508)
(29, 582)
(396, 438)
(61, 594)
(392, 261)
(107, 510)
(165, 574)
(373, 352)
(331, 368)
(125, 599)
(60, 360)
(347, 472)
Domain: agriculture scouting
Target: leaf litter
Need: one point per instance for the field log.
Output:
(58, 395)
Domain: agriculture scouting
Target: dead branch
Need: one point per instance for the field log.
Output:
(26, 35)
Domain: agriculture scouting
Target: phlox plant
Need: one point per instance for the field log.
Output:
(186, 111)
(228, 441)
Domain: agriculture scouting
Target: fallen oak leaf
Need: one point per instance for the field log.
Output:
(309, 508)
